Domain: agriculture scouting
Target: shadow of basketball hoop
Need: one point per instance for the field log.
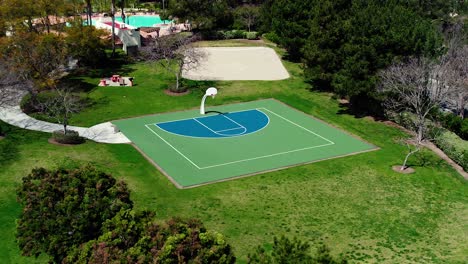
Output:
(216, 112)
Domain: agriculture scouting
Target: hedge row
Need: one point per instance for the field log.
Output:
(455, 147)
(230, 34)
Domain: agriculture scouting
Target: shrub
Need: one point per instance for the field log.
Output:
(234, 34)
(464, 129)
(213, 35)
(71, 137)
(455, 147)
(271, 36)
(452, 122)
(251, 35)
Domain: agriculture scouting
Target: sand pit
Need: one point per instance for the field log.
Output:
(239, 63)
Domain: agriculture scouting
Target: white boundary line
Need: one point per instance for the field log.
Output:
(265, 156)
(297, 125)
(243, 160)
(221, 134)
(229, 129)
(193, 163)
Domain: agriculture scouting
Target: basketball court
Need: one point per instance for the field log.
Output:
(235, 140)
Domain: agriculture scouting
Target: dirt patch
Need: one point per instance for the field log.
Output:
(407, 170)
(1, 137)
(171, 93)
(52, 141)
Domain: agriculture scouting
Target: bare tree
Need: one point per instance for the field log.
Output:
(176, 54)
(62, 106)
(455, 62)
(415, 87)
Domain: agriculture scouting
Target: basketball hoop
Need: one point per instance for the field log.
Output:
(209, 92)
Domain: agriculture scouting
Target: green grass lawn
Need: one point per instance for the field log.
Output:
(356, 204)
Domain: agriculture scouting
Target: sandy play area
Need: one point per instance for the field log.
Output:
(239, 63)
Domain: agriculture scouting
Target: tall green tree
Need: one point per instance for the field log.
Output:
(86, 44)
(290, 20)
(349, 44)
(202, 14)
(64, 208)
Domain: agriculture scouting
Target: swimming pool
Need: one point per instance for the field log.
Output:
(142, 21)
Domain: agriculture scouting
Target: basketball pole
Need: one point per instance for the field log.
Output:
(210, 92)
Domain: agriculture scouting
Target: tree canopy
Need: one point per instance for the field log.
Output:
(63, 208)
(136, 237)
(202, 14)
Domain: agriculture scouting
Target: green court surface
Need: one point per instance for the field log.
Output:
(235, 140)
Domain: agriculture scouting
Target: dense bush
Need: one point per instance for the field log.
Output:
(455, 124)
(234, 34)
(455, 147)
(71, 137)
(251, 35)
(228, 34)
(272, 36)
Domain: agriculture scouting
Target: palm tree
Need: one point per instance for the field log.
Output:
(88, 12)
(113, 27)
(121, 4)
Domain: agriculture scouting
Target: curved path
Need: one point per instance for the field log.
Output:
(103, 133)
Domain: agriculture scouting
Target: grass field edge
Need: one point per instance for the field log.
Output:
(159, 168)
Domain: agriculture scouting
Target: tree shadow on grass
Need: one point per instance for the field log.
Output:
(9, 152)
(121, 65)
(198, 86)
(358, 110)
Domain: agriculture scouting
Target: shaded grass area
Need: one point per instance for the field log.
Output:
(355, 204)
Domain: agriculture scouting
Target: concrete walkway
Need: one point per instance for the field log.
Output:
(103, 133)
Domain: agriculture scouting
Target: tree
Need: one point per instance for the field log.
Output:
(39, 58)
(351, 41)
(290, 20)
(202, 14)
(63, 208)
(416, 87)
(247, 15)
(455, 62)
(86, 44)
(89, 12)
(113, 27)
(175, 53)
(286, 251)
(137, 237)
(61, 106)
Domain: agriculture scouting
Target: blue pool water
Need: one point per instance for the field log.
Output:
(142, 21)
